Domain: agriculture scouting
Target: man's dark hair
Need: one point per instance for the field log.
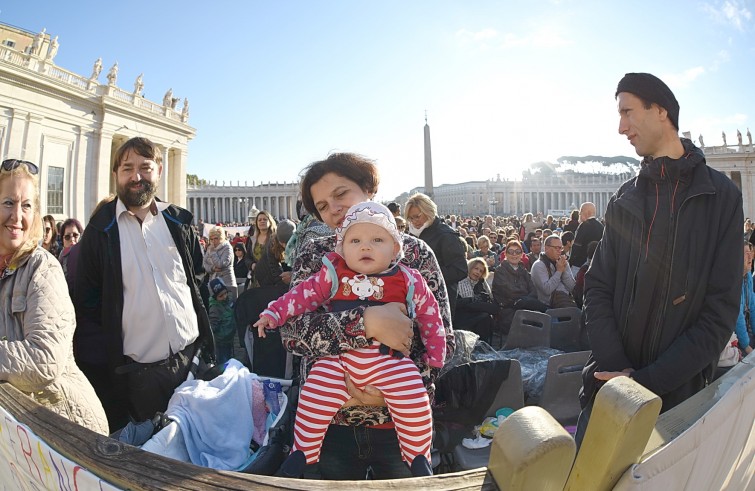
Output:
(393, 207)
(141, 146)
(567, 237)
(551, 238)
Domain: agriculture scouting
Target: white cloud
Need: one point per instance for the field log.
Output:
(712, 127)
(681, 80)
(486, 38)
(721, 58)
(732, 12)
(481, 37)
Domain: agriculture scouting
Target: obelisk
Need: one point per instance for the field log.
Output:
(428, 161)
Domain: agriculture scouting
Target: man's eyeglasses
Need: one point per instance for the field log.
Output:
(71, 236)
(558, 248)
(11, 164)
(514, 252)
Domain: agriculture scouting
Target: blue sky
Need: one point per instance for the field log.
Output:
(275, 85)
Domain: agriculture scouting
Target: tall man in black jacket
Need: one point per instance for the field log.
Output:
(662, 293)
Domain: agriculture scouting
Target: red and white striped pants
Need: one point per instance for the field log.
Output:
(324, 392)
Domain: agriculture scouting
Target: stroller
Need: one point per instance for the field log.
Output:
(195, 429)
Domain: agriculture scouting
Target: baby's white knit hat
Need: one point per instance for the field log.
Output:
(370, 212)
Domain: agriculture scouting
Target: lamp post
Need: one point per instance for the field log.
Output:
(242, 207)
(492, 206)
(253, 214)
(461, 206)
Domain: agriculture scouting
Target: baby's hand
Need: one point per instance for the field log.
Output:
(262, 324)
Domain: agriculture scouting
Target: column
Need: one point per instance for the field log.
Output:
(164, 189)
(178, 171)
(16, 141)
(98, 181)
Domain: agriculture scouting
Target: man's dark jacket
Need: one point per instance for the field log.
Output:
(99, 289)
(591, 230)
(696, 307)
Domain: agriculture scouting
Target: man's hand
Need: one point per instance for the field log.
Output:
(561, 263)
(605, 376)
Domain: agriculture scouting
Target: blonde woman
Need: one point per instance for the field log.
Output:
(37, 319)
(422, 215)
(264, 230)
(218, 260)
(475, 307)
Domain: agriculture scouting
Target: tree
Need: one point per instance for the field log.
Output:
(194, 180)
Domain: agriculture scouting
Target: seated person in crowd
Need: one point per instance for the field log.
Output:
(739, 345)
(552, 276)
(475, 307)
(484, 251)
(512, 286)
(536, 248)
(744, 327)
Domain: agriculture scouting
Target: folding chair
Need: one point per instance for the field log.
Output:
(510, 394)
(565, 328)
(529, 329)
(563, 379)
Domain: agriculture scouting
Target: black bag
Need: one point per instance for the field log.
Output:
(280, 438)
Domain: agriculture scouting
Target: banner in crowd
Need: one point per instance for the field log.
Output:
(29, 464)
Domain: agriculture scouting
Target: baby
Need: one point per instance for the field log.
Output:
(364, 270)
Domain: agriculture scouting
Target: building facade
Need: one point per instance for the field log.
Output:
(70, 125)
(738, 163)
(215, 203)
(555, 194)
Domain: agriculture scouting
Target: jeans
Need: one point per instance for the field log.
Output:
(349, 451)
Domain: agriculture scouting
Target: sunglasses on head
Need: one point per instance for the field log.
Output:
(12, 164)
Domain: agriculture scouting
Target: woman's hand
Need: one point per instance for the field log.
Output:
(390, 325)
(286, 277)
(369, 396)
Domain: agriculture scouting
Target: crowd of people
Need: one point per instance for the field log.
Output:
(102, 323)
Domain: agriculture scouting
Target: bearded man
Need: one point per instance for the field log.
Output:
(139, 312)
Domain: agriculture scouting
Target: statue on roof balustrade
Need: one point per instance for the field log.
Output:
(112, 75)
(96, 69)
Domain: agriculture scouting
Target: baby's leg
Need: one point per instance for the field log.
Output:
(401, 384)
(321, 396)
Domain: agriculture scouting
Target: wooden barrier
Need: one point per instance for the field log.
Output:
(127, 467)
(531, 450)
(622, 420)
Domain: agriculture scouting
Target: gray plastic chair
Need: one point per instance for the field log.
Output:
(563, 378)
(529, 329)
(510, 394)
(565, 328)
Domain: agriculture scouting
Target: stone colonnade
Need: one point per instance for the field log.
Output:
(228, 204)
